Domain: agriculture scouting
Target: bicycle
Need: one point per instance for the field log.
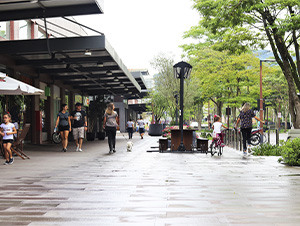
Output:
(56, 138)
(216, 145)
(255, 136)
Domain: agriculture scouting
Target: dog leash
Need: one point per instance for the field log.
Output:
(124, 136)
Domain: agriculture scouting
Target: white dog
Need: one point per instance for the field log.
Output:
(129, 146)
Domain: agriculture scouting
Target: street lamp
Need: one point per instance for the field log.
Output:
(182, 70)
(261, 108)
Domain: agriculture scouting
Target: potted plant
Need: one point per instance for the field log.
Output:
(95, 113)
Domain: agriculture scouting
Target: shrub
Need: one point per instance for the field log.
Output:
(290, 152)
(267, 150)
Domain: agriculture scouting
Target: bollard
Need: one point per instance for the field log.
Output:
(269, 135)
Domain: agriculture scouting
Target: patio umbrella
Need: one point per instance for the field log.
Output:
(10, 86)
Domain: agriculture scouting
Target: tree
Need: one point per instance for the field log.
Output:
(167, 86)
(237, 25)
(158, 105)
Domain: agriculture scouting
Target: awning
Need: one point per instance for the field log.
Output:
(88, 64)
(10, 86)
(30, 9)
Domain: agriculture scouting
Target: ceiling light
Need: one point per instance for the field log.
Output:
(108, 73)
(33, 1)
(122, 85)
(116, 79)
(100, 64)
(126, 89)
(130, 92)
(88, 53)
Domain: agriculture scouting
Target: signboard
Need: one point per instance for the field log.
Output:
(279, 115)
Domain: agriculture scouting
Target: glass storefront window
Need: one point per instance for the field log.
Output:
(23, 29)
(3, 29)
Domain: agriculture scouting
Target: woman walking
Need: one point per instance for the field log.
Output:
(130, 124)
(63, 122)
(110, 124)
(7, 131)
(141, 124)
(245, 118)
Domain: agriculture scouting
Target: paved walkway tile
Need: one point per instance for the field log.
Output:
(141, 188)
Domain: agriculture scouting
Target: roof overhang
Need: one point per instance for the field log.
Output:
(64, 59)
(30, 9)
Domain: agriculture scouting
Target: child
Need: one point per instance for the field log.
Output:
(217, 127)
(7, 131)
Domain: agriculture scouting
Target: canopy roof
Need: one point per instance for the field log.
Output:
(30, 9)
(65, 59)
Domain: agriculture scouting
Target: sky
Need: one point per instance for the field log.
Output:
(139, 30)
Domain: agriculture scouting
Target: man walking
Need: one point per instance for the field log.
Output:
(79, 125)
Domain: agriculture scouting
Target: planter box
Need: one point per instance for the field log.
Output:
(155, 129)
(90, 136)
(101, 135)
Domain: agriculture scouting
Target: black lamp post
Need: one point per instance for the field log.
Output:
(176, 112)
(182, 70)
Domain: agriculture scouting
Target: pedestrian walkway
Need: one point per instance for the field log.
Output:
(139, 188)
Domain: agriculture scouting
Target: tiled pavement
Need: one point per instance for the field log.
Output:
(140, 188)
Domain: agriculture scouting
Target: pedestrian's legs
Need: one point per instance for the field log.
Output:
(244, 134)
(109, 136)
(7, 150)
(66, 135)
(249, 130)
(114, 133)
(62, 136)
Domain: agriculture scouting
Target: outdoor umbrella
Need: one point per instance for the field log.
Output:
(10, 86)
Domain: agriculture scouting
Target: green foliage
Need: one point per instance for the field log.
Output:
(166, 86)
(290, 152)
(267, 150)
(238, 26)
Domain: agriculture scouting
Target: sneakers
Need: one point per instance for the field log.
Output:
(114, 150)
(80, 150)
(64, 150)
(110, 152)
(11, 161)
(77, 148)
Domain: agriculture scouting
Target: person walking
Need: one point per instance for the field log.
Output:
(245, 117)
(141, 124)
(7, 131)
(79, 125)
(110, 124)
(63, 122)
(130, 125)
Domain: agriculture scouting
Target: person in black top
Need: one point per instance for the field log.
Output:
(245, 117)
(79, 125)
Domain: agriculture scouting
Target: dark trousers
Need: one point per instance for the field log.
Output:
(111, 134)
(130, 132)
(246, 133)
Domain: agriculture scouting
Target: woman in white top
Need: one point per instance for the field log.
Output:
(141, 124)
(130, 124)
(110, 124)
(217, 125)
(7, 131)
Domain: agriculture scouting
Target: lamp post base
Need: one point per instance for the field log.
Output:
(181, 148)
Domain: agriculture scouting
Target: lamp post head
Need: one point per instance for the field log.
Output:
(182, 68)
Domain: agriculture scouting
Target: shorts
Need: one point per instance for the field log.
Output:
(142, 130)
(63, 128)
(78, 133)
(8, 141)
